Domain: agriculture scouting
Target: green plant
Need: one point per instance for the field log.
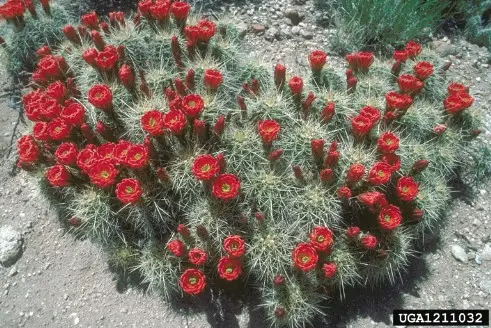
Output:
(384, 24)
(27, 33)
(200, 169)
(478, 27)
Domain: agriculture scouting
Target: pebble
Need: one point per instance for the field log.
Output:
(307, 35)
(459, 253)
(478, 79)
(296, 30)
(13, 271)
(486, 253)
(257, 28)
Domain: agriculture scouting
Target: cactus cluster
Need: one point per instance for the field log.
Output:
(25, 26)
(155, 137)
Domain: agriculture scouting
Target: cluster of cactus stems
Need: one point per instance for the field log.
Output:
(154, 136)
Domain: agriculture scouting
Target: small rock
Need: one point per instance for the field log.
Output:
(10, 245)
(482, 191)
(478, 79)
(485, 285)
(459, 253)
(486, 253)
(242, 29)
(65, 296)
(13, 271)
(296, 30)
(294, 15)
(124, 310)
(272, 34)
(307, 35)
(471, 256)
(287, 21)
(484, 65)
(257, 28)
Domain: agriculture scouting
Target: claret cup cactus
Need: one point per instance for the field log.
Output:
(153, 136)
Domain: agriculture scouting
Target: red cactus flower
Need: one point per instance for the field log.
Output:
(205, 167)
(317, 146)
(90, 56)
(466, 99)
(175, 121)
(317, 60)
(106, 60)
(144, 7)
(28, 150)
(296, 85)
(226, 187)
(279, 75)
(328, 112)
(128, 191)
(329, 270)
(57, 90)
(380, 173)
(59, 129)
(388, 142)
(192, 105)
(73, 114)
(401, 55)
(364, 60)
(180, 10)
(127, 76)
(58, 176)
(43, 51)
(192, 281)
(390, 217)
(66, 153)
(321, 238)
(454, 88)
(51, 66)
(344, 192)
(176, 247)
(213, 78)
(268, 130)
(397, 101)
(423, 70)
(197, 256)
(192, 35)
(86, 158)
(234, 246)
(91, 20)
(153, 122)
(355, 173)
(371, 113)
(137, 157)
(407, 189)
(352, 232)
(373, 200)
(305, 257)
(40, 131)
(102, 173)
(229, 268)
(101, 97)
(160, 10)
(392, 160)
(361, 126)
(206, 30)
(369, 241)
(413, 49)
(409, 84)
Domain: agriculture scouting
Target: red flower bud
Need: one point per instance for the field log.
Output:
(275, 155)
(352, 232)
(279, 75)
(307, 103)
(190, 79)
(331, 159)
(162, 174)
(88, 133)
(326, 175)
(279, 280)
(127, 77)
(317, 146)
(221, 162)
(417, 214)
(419, 166)
(396, 68)
(255, 86)
(219, 126)
(199, 127)
(344, 193)
(176, 51)
(105, 131)
(242, 104)
(297, 171)
(328, 112)
(352, 81)
(440, 129)
(296, 85)
(183, 230)
(105, 27)
(180, 88)
(259, 216)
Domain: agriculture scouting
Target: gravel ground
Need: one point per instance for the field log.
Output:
(59, 281)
